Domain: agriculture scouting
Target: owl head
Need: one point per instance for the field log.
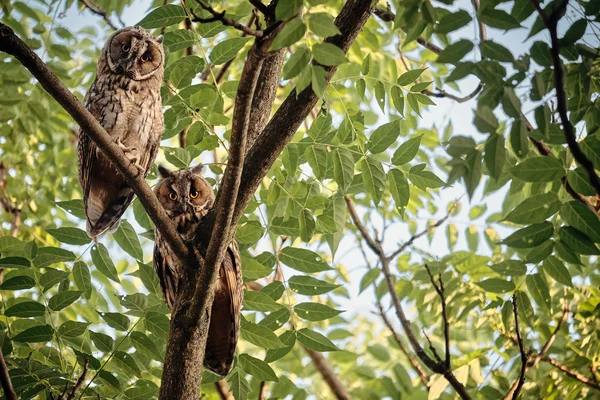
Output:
(135, 53)
(184, 192)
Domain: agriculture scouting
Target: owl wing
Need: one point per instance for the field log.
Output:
(225, 317)
(148, 157)
(162, 261)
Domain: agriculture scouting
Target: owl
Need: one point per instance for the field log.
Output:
(125, 99)
(187, 197)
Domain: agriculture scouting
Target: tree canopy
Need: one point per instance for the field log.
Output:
(413, 186)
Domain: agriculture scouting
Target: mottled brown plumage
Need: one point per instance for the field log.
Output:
(187, 197)
(125, 99)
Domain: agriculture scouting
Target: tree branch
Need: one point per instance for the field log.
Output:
(98, 11)
(188, 51)
(262, 391)
(222, 389)
(573, 374)
(551, 23)
(261, 7)
(79, 382)
(440, 291)
(323, 366)
(286, 120)
(220, 16)
(439, 367)
(11, 44)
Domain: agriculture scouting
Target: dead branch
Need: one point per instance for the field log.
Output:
(435, 366)
(98, 11)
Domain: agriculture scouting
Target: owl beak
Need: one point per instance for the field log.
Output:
(128, 64)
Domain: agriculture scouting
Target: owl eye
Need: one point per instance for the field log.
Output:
(173, 196)
(125, 47)
(145, 58)
(194, 194)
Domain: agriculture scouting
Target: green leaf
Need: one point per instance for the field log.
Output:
(179, 39)
(328, 54)
(410, 76)
(260, 301)
(343, 168)
(315, 341)
(146, 346)
(249, 233)
(276, 319)
(274, 290)
(424, 179)
(253, 270)
(149, 278)
(539, 169)
(495, 155)
(453, 21)
(556, 269)
(14, 262)
(511, 105)
(530, 236)
(116, 321)
(566, 254)
(455, 52)
(383, 137)
(18, 283)
(577, 241)
(158, 324)
(297, 61)
(238, 383)
(227, 50)
(366, 65)
(307, 225)
(498, 19)
(48, 256)
(257, 368)
(103, 262)
(540, 52)
(397, 96)
(290, 34)
(575, 32)
(287, 9)
(374, 178)
(52, 277)
(315, 311)
(495, 51)
(72, 329)
(25, 309)
(260, 336)
(510, 268)
(485, 121)
(37, 334)
(102, 341)
(380, 95)
(579, 181)
(535, 209)
(380, 352)
(288, 338)
(182, 71)
(368, 278)
(82, 278)
(495, 285)
(63, 299)
(538, 289)
(73, 236)
(322, 24)
(127, 363)
(309, 286)
(163, 16)
(74, 207)
(303, 260)
(399, 188)
(581, 218)
(128, 240)
(407, 151)
(317, 159)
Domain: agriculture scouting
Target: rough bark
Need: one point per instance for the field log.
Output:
(328, 375)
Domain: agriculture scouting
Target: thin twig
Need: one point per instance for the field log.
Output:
(98, 11)
(573, 374)
(551, 23)
(439, 288)
(220, 16)
(524, 357)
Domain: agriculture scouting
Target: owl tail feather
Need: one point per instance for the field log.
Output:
(104, 211)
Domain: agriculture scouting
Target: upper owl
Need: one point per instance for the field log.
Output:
(125, 99)
(135, 53)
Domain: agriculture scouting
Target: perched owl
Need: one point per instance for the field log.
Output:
(125, 99)
(187, 197)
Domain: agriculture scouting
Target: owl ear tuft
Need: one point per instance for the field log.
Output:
(198, 169)
(165, 173)
(160, 39)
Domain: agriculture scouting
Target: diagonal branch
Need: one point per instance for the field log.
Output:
(521, 380)
(79, 382)
(11, 44)
(98, 11)
(439, 288)
(323, 366)
(260, 7)
(551, 23)
(220, 16)
(573, 374)
(222, 389)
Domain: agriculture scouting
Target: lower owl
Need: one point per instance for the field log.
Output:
(187, 197)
